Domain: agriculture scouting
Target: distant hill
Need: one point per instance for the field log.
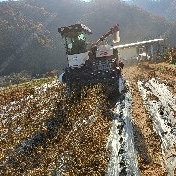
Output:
(165, 8)
(28, 29)
(26, 42)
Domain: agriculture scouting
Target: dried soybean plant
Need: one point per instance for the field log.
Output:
(79, 144)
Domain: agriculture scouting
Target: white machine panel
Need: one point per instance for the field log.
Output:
(104, 50)
(77, 60)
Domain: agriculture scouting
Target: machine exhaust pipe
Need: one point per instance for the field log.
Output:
(116, 37)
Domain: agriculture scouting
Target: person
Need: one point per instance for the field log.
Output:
(116, 62)
(121, 64)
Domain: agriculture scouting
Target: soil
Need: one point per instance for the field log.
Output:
(147, 142)
(76, 144)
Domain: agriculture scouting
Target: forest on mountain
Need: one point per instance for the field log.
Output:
(28, 30)
(165, 8)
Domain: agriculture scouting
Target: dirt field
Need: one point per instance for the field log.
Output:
(42, 133)
(147, 142)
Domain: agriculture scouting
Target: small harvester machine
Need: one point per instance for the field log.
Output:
(90, 64)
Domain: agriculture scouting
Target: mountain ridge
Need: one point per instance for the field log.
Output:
(165, 8)
(29, 30)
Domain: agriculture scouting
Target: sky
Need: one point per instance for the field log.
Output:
(81, 0)
(16, 0)
(7, 0)
(86, 0)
